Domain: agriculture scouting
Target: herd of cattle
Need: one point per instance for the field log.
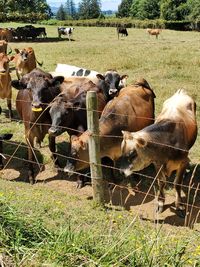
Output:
(51, 103)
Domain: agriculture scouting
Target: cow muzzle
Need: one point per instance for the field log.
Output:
(53, 131)
(112, 91)
(36, 107)
(69, 168)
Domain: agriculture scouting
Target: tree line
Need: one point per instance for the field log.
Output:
(87, 9)
(174, 10)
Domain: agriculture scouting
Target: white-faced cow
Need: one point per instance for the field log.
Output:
(65, 31)
(166, 144)
(25, 61)
(5, 82)
(132, 109)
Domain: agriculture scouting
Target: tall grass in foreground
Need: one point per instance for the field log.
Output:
(118, 242)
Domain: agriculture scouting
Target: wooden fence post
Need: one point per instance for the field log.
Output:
(98, 184)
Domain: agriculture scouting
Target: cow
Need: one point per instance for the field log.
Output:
(5, 82)
(155, 32)
(110, 82)
(65, 31)
(165, 143)
(68, 110)
(3, 47)
(122, 30)
(36, 90)
(25, 61)
(132, 109)
(6, 34)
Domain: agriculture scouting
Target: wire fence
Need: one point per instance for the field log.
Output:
(192, 187)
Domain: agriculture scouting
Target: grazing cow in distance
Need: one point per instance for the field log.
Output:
(65, 31)
(25, 61)
(5, 82)
(155, 32)
(122, 30)
(166, 144)
(132, 109)
(36, 90)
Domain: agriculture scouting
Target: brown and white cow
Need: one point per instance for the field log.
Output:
(5, 82)
(132, 109)
(25, 61)
(155, 32)
(166, 144)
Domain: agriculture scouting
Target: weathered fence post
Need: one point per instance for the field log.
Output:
(94, 148)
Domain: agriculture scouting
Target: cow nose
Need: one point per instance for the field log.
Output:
(36, 106)
(112, 91)
(52, 130)
(2, 71)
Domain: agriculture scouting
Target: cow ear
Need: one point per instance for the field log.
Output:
(83, 145)
(18, 85)
(124, 77)
(57, 80)
(74, 138)
(100, 76)
(17, 50)
(127, 135)
(141, 142)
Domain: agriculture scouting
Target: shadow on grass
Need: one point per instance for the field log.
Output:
(42, 40)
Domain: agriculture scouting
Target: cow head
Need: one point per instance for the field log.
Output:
(111, 83)
(135, 156)
(62, 112)
(22, 54)
(4, 63)
(43, 87)
(79, 150)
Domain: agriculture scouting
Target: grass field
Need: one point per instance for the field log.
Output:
(53, 224)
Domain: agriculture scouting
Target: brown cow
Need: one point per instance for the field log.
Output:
(165, 144)
(6, 34)
(36, 90)
(25, 61)
(132, 109)
(5, 82)
(3, 47)
(155, 32)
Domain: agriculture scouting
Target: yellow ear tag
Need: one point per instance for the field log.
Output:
(36, 109)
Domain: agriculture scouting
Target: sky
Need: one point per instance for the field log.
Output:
(106, 4)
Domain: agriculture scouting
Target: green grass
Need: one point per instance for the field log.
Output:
(40, 226)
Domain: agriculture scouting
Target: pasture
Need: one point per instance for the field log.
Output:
(54, 224)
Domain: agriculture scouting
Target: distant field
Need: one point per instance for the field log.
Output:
(168, 64)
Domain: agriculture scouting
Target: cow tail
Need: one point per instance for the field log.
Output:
(40, 64)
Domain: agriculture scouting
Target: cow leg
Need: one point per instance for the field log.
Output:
(30, 142)
(52, 147)
(161, 185)
(9, 105)
(177, 185)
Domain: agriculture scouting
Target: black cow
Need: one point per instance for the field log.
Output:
(36, 90)
(111, 83)
(122, 30)
(28, 31)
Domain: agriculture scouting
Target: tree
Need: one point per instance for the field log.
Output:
(89, 9)
(60, 15)
(194, 9)
(145, 9)
(70, 9)
(174, 9)
(124, 8)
